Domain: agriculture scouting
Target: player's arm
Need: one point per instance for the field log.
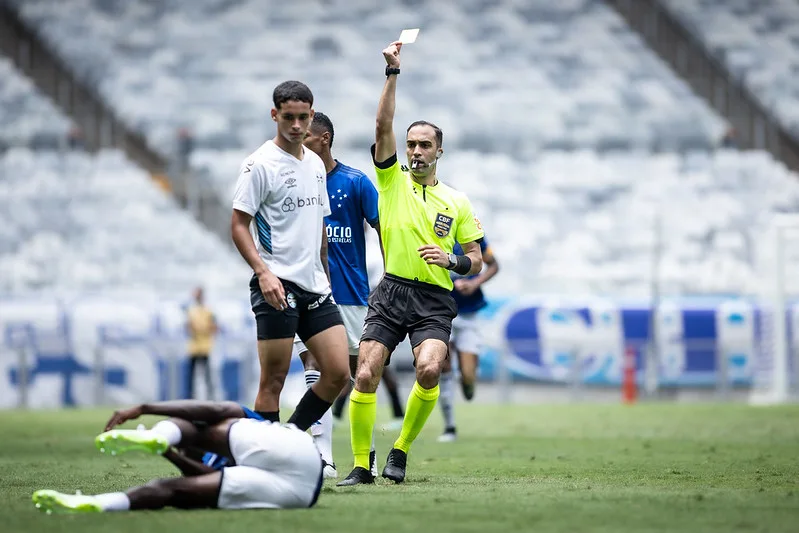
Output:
(250, 189)
(210, 412)
(370, 212)
(469, 233)
(187, 466)
(492, 267)
(323, 251)
(471, 250)
(471, 262)
(240, 233)
(385, 141)
(270, 285)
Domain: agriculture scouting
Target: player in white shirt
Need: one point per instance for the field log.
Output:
(256, 464)
(278, 227)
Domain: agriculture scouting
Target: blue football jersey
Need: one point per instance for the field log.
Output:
(353, 199)
(475, 301)
(249, 413)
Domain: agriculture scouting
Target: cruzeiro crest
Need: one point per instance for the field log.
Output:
(442, 225)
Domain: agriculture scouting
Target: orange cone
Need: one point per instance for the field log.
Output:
(629, 390)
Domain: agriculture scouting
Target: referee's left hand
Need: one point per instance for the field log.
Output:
(433, 255)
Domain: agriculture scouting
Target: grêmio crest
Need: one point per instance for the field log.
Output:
(442, 225)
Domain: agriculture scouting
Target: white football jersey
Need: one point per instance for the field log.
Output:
(287, 199)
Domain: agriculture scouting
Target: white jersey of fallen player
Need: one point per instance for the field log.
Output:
(287, 198)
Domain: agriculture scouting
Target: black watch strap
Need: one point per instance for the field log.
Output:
(453, 261)
(391, 70)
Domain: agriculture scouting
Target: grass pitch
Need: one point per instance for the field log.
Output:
(571, 468)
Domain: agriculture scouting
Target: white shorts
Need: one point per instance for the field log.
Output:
(353, 317)
(277, 467)
(466, 333)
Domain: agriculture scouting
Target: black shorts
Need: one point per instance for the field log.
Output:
(307, 313)
(400, 307)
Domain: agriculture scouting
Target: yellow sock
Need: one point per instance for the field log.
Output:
(420, 404)
(363, 413)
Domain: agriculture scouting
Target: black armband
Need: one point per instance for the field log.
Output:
(462, 265)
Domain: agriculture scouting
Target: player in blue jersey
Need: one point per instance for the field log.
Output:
(353, 201)
(249, 462)
(466, 337)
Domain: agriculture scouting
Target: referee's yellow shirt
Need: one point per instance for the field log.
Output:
(412, 215)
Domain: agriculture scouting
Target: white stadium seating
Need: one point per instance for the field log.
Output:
(757, 41)
(26, 118)
(586, 223)
(506, 76)
(73, 223)
(584, 156)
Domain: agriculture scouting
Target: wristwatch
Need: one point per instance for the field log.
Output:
(453, 261)
(391, 70)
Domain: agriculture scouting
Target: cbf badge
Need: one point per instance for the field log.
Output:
(443, 225)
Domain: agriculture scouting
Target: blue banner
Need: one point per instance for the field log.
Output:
(543, 338)
(140, 345)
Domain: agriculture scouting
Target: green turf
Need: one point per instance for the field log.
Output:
(529, 468)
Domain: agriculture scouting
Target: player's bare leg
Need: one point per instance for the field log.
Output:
(331, 358)
(447, 399)
(372, 357)
(200, 489)
(274, 356)
(392, 388)
(196, 492)
(468, 366)
(430, 356)
(344, 396)
(330, 350)
(184, 493)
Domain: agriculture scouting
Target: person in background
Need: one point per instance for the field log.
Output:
(202, 330)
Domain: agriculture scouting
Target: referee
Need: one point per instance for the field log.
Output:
(420, 221)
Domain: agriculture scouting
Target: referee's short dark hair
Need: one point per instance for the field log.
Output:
(439, 133)
(320, 120)
(291, 90)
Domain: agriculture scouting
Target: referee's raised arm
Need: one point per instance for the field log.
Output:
(385, 141)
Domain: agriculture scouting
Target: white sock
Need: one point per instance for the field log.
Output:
(169, 430)
(324, 438)
(446, 399)
(311, 377)
(114, 501)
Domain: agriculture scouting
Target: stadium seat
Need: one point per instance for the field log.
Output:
(78, 222)
(568, 74)
(27, 118)
(585, 157)
(757, 42)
